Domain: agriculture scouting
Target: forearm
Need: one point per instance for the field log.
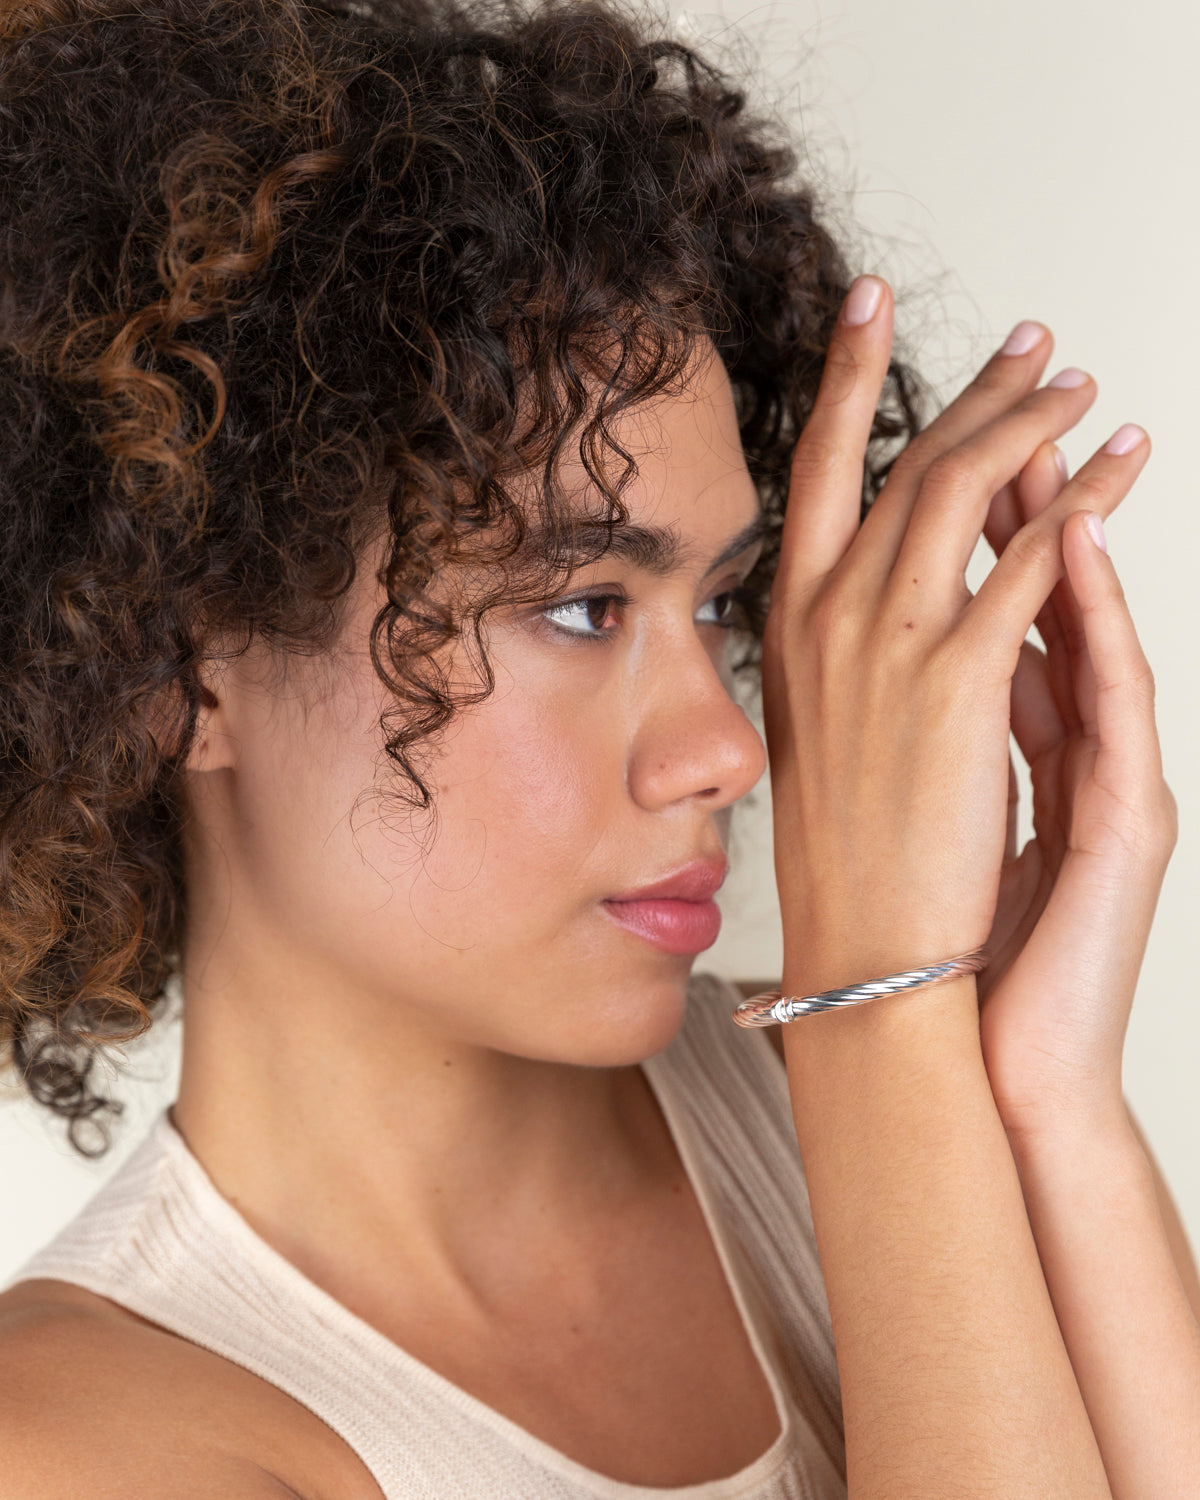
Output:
(955, 1379)
(1130, 1332)
(1177, 1237)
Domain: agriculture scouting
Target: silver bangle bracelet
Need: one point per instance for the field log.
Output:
(774, 1008)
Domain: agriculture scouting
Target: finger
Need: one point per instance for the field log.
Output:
(826, 485)
(1058, 622)
(1039, 483)
(1004, 518)
(1014, 812)
(1024, 497)
(996, 620)
(1008, 377)
(1037, 725)
(1120, 710)
(955, 494)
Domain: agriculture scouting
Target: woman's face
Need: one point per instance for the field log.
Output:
(607, 758)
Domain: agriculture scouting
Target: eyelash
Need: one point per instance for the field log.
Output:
(737, 618)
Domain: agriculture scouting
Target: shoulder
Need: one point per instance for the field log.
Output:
(96, 1400)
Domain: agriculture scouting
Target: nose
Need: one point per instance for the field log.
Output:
(693, 738)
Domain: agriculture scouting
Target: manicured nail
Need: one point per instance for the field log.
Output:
(1023, 338)
(1125, 439)
(1060, 458)
(1067, 380)
(1097, 530)
(863, 301)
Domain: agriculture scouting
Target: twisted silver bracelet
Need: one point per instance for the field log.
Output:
(774, 1008)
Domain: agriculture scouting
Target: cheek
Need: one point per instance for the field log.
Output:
(525, 791)
(525, 837)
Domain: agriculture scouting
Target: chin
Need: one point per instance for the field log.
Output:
(630, 1023)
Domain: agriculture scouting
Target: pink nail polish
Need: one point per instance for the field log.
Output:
(1023, 338)
(1060, 458)
(1125, 439)
(1068, 380)
(1096, 527)
(863, 301)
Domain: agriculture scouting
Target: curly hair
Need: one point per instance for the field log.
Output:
(282, 277)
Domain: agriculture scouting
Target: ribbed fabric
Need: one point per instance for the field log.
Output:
(159, 1239)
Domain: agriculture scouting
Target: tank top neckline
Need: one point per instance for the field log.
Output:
(218, 1212)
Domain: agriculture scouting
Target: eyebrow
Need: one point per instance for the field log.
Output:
(659, 550)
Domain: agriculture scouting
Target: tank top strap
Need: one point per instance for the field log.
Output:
(725, 1090)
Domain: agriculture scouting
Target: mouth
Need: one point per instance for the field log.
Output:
(677, 913)
(672, 925)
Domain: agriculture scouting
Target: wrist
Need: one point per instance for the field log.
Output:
(837, 960)
(932, 1030)
(1071, 1132)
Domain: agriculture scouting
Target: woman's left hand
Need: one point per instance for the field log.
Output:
(1075, 905)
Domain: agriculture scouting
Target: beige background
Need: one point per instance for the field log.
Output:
(998, 161)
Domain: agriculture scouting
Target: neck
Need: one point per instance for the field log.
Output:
(340, 1124)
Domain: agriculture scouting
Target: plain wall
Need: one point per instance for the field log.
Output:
(999, 162)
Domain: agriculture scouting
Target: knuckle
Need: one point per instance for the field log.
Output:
(1142, 681)
(843, 367)
(1092, 487)
(840, 380)
(1156, 831)
(1136, 686)
(910, 463)
(951, 472)
(813, 461)
(831, 614)
(1035, 546)
(1169, 817)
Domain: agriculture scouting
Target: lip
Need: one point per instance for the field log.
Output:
(677, 913)
(698, 881)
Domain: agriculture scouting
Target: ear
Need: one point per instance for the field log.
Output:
(213, 746)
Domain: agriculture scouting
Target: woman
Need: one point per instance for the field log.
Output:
(416, 413)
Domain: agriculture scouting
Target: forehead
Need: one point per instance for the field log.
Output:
(692, 490)
(690, 503)
(685, 442)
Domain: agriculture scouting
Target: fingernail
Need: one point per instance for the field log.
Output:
(1067, 380)
(1023, 338)
(1125, 439)
(1097, 530)
(863, 301)
(1060, 458)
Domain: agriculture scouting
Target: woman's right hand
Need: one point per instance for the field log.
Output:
(886, 684)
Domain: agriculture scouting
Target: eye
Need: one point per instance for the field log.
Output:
(727, 609)
(584, 617)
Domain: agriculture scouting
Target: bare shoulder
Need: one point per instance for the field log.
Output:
(96, 1400)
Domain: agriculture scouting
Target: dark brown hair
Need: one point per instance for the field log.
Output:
(278, 277)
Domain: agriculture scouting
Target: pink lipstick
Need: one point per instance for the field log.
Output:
(676, 914)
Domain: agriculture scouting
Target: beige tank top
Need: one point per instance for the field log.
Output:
(159, 1239)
